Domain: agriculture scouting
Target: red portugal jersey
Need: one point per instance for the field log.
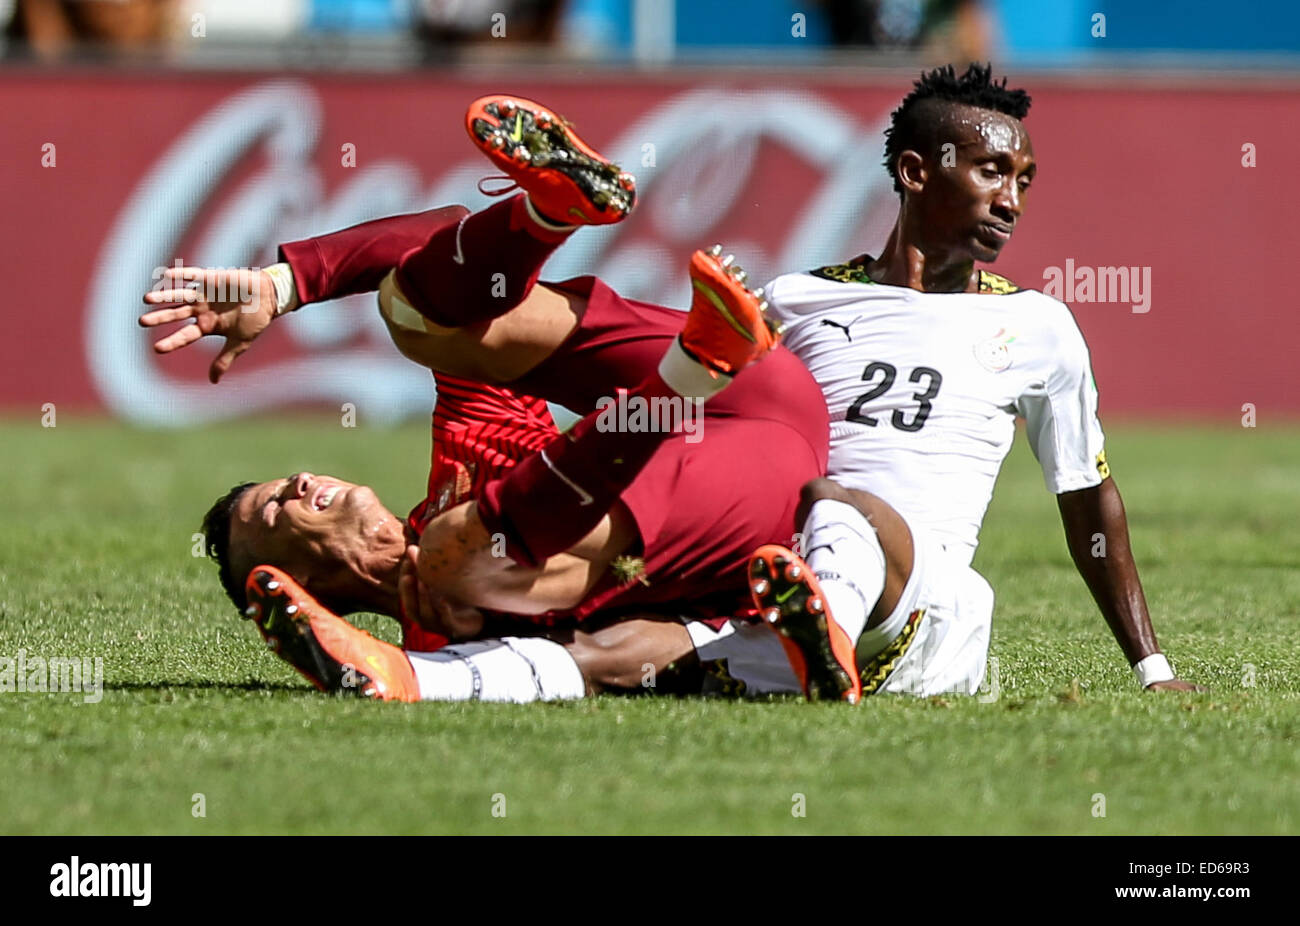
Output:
(479, 432)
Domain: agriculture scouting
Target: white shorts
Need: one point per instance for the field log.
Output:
(944, 616)
(944, 641)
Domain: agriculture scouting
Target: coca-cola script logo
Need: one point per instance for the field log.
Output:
(697, 157)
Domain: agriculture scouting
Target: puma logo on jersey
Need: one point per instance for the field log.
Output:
(844, 328)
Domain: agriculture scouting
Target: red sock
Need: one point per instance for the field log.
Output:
(478, 269)
(545, 508)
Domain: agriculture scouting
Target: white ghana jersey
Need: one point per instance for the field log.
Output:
(923, 390)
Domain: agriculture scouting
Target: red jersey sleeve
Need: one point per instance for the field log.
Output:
(356, 259)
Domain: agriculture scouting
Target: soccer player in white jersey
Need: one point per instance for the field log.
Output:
(926, 361)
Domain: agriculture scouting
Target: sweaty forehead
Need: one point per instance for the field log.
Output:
(986, 129)
(974, 128)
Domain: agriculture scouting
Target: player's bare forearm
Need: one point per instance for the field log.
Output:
(459, 560)
(636, 653)
(1096, 530)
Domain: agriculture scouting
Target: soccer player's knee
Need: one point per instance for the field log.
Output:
(877, 510)
(813, 491)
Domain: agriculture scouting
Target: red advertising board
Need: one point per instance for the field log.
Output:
(1147, 216)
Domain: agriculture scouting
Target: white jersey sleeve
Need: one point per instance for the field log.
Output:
(1060, 410)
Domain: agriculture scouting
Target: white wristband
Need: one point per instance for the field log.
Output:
(282, 277)
(1152, 669)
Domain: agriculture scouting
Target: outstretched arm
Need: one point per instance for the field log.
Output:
(239, 304)
(354, 260)
(1096, 530)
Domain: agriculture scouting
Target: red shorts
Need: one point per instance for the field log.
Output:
(700, 508)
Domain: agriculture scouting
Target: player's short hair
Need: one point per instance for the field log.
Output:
(216, 533)
(912, 126)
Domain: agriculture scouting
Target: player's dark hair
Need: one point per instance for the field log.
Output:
(216, 533)
(912, 125)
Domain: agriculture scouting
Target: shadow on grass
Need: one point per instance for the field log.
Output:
(193, 685)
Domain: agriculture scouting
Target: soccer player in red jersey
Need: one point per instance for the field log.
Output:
(599, 521)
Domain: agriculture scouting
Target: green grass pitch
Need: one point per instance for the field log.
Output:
(95, 560)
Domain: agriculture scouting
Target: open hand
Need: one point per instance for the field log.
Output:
(432, 611)
(237, 304)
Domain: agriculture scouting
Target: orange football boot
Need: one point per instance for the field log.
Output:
(324, 648)
(786, 593)
(726, 328)
(567, 181)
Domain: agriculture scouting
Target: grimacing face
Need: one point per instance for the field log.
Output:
(979, 199)
(319, 529)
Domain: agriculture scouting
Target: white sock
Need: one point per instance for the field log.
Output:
(686, 376)
(517, 669)
(844, 553)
